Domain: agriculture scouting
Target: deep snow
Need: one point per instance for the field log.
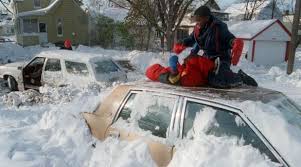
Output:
(47, 129)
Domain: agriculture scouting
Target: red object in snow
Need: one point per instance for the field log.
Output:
(178, 48)
(194, 73)
(238, 45)
(67, 43)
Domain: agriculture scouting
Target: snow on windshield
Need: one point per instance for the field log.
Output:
(147, 114)
(209, 150)
(280, 122)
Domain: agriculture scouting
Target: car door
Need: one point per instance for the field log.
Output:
(52, 74)
(221, 121)
(32, 73)
(147, 116)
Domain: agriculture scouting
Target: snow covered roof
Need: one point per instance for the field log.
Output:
(117, 14)
(42, 11)
(104, 8)
(240, 8)
(71, 55)
(248, 29)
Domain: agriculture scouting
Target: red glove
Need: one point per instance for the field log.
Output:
(178, 48)
(237, 47)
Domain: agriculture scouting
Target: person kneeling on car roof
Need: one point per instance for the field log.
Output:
(213, 37)
(194, 72)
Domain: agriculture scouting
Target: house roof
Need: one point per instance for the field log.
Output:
(250, 29)
(240, 8)
(115, 13)
(40, 12)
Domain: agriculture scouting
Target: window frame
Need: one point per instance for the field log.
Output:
(68, 73)
(33, 59)
(46, 61)
(230, 110)
(37, 7)
(24, 30)
(57, 26)
(176, 107)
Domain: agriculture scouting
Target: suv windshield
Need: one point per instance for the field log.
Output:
(104, 66)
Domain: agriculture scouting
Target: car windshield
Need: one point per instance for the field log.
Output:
(104, 66)
(279, 119)
(104, 69)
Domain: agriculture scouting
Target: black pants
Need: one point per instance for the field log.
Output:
(225, 78)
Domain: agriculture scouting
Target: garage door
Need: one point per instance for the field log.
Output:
(269, 53)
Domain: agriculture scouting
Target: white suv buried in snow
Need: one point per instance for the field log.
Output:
(60, 68)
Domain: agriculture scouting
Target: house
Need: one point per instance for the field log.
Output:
(6, 24)
(266, 41)
(50, 21)
(7, 28)
(257, 10)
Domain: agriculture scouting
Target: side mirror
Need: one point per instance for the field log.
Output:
(20, 68)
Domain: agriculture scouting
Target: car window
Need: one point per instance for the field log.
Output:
(37, 62)
(76, 68)
(149, 112)
(53, 65)
(104, 66)
(225, 123)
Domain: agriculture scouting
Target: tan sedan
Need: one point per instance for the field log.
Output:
(160, 114)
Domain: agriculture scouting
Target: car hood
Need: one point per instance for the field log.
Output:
(16, 64)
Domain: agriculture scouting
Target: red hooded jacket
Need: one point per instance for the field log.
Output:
(194, 72)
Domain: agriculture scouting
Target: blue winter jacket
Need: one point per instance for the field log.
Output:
(214, 39)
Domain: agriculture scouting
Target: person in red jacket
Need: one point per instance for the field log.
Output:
(194, 72)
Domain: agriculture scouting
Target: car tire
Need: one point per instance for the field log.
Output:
(12, 83)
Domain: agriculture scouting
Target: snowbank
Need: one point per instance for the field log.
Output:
(51, 131)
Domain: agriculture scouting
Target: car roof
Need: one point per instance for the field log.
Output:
(72, 55)
(232, 97)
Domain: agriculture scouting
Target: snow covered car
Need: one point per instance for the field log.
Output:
(262, 120)
(61, 67)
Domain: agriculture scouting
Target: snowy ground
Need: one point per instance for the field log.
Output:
(47, 129)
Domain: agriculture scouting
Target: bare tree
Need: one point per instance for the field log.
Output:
(295, 41)
(251, 7)
(5, 4)
(163, 15)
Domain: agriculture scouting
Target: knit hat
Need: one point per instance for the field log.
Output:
(202, 11)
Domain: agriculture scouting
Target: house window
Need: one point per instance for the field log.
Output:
(42, 27)
(37, 3)
(60, 27)
(30, 25)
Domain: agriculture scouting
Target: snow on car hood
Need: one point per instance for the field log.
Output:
(16, 64)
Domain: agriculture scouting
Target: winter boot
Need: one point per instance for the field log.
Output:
(247, 79)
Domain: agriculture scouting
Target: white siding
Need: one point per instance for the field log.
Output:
(274, 33)
(269, 53)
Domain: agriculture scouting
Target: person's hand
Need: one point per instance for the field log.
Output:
(237, 48)
(178, 48)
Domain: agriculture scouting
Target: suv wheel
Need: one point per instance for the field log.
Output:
(12, 83)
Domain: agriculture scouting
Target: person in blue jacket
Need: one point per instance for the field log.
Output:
(213, 37)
